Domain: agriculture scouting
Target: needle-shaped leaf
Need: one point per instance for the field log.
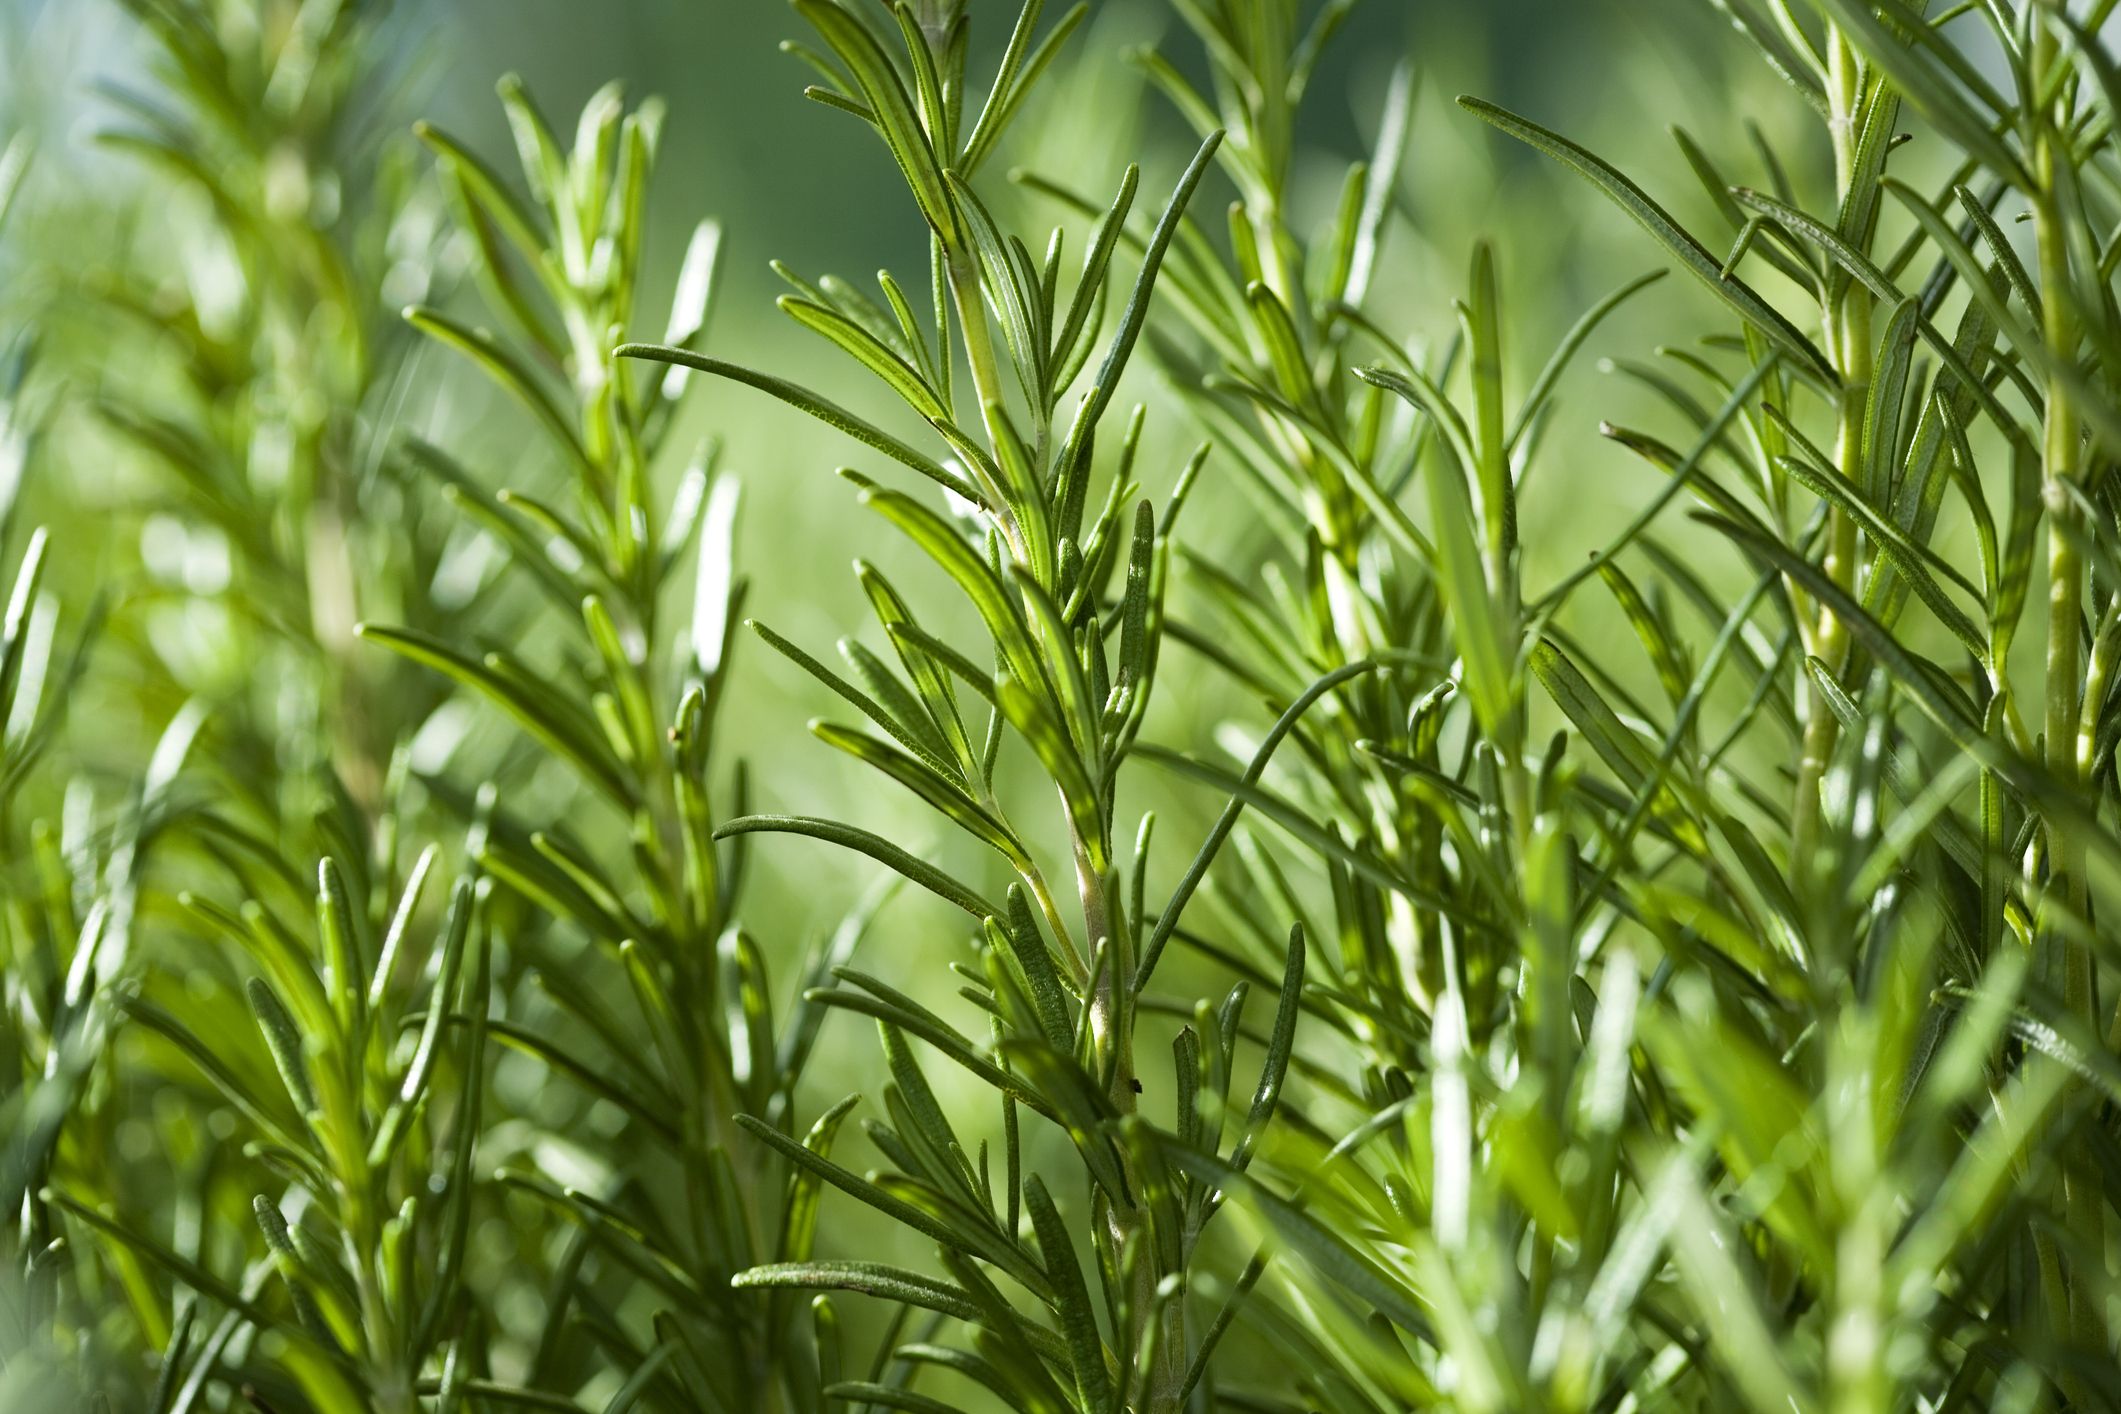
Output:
(825, 411)
(284, 1041)
(1076, 327)
(536, 707)
(1885, 406)
(1880, 284)
(1917, 77)
(182, 1268)
(1485, 644)
(481, 184)
(876, 847)
(1047, 736)
(1742, 298)
(1381, 177)
(1219, 833)
(901, 377)
(929, 664)
(1099, 398)
(1923, 680)
(904, 732)
(868, 1278)
(2085, 399)
(1326, 1250)
(505, 368)
(412, 1090)
(942, 542)
(1914, 562)
(1483, 320)
(1020, 937)
(1086, 1351)
(1017, 76)
(1280, 1046)
(1549, 377)
(925, 781)
(884, 93)
(1618, 747)
(810, 1161)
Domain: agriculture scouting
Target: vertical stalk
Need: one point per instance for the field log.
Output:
(1159, 1326)
(963, 267)
(979, 341)
(1108, 937)
(2083, 1202)
(1848, 331)
(1856, 1371)
(2065, 601)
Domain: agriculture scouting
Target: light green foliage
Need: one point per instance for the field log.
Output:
(1680, 981)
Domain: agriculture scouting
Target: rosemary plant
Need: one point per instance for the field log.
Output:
(675, 1007)
(55, 1027)
(1823, 1082)
(1073, 665)
(338, 1169)
(1691, 975)
(1996, 904)
(266, 488)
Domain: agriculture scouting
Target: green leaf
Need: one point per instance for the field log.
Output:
(285, 1043)
(1331, 1254)
(907, 733)
(1190, 881)
(803, 400)
(868, 1278)
(1878, 283)
(182, 1268)
(1549, 377)
(926, 659)
(1077, 326)
(1618, 747)
(1280, 1047)
(1277, 332)
(1016, 77)
(652, 1111)
(1048, 738)
(862, 842)
(1382, 174)
(480, 183)
(1924, 680)
(889, 106)
(1485, 638)
(869, 1394)
(902, 378)
(1021, 941)
(942, 543)
(1099, 398)
(1086, 1351)
(925, 781)
(800, 1207)
(1885, 404)
(2095, 407)
(1913, 562)
(505, 369)
(982, 1242)
(1735, 293)
(1498, 506)
(1932, 93)
(566, 733)
(412, 1090)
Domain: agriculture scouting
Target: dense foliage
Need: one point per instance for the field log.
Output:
(1682, 983)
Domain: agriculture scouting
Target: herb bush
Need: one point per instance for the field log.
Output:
(1676, 981)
